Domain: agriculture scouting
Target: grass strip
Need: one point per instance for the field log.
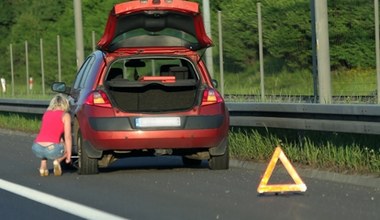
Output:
(342, 153)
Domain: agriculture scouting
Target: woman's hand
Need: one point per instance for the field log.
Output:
(68, 160)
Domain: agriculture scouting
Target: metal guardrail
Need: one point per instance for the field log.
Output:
(23, 106)
(357, 118)
(341, 99)
(363, 119)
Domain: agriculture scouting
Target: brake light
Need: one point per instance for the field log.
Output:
(98, 98)
(211, 96)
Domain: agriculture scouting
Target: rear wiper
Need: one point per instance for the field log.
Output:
(201, 56)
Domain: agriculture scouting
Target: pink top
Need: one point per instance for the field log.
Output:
(51, 127)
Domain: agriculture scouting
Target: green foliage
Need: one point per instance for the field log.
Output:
(351, 30)
(287, 32)
(286, 35)
(6, 15)
(240, 39)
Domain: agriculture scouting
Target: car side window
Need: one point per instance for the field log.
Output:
(83, 73)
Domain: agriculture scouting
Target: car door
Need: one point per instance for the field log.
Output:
(85, 79)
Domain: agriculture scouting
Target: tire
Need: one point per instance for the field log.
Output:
(221, 162)
(86, 165)
(190, 162)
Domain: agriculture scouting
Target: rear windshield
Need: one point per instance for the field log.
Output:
(136, 69)
(164, 38)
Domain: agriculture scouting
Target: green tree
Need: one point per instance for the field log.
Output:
(35, 20)
(239, 34)
(287, 32)
(6, 15)
(351, 32)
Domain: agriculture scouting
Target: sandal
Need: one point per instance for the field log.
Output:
(44, 172)
(57, 168)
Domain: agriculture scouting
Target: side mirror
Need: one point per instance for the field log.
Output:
(60, 87)
(215, 83)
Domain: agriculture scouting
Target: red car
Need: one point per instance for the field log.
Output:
(145, 91)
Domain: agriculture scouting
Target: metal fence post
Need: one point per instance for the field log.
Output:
(42, 67)
(261, 56)
(27, 67)
(12, 71)
(207, 22)
(59, 58)
(78, 32)
(323, 54)
(376, 9)
(221, 66)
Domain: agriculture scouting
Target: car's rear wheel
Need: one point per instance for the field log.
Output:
(221, 162)
(86, 165)
(190, 162)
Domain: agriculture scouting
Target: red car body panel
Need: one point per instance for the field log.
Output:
(131, 7)
(152, 139)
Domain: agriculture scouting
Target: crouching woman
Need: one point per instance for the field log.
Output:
(53, 142)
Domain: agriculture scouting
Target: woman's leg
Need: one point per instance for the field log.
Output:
(39, 151)
(43, 168)
(43, 165)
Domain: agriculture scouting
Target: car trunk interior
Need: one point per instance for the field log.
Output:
(152, 96)
(152, 85)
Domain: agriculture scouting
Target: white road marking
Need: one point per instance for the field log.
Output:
(58, 203)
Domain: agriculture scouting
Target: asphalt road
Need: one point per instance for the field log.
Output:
(161, 188)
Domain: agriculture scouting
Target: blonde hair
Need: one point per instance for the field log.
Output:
(59, 102)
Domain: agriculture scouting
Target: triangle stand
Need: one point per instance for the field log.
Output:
(299, 185)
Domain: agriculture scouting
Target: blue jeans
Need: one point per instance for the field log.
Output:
(51, 152)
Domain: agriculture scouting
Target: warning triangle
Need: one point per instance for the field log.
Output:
(299, 186)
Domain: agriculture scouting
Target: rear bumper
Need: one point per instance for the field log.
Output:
(116, 133)
(129, 123)
(156, 140)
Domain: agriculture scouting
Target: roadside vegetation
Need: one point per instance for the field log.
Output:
(20, 122)
(343, 153)
(354, 82)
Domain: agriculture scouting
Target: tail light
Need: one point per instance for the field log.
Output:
(211, 96)
(98, 98)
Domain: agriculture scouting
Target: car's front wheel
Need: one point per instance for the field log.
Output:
(86, 165)
(220, 162)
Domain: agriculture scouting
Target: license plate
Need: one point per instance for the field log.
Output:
(148, 122)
